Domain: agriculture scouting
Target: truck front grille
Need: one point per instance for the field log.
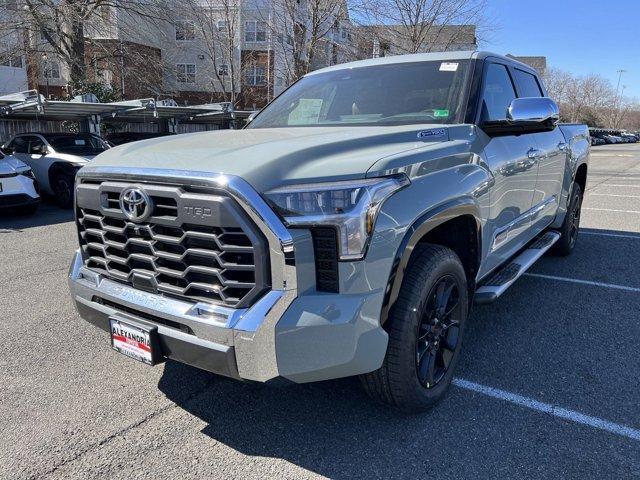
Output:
(216, 257)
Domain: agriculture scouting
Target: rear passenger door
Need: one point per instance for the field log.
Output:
(508, 158)
(551, 158)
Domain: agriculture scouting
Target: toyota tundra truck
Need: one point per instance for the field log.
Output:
(346, 230)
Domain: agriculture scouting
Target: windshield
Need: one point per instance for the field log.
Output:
(81, 144)
(396, 94)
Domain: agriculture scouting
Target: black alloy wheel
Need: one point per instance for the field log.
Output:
(438, 330)
(63, 190)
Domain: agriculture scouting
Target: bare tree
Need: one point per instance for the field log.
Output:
(61, 26)
(305, 33)
(412, 26)
(217, 25)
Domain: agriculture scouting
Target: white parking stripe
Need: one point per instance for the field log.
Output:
(584, 282)
(614, 185)
(611, 210)
(611, 195)
(556, 411)
(618, 235)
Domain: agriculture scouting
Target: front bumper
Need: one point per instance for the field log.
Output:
(301, 339)
(18, 191)
(291, 332)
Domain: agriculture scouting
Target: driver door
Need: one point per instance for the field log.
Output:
(511, 160)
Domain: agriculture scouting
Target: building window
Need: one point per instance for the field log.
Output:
(221, 25)
(186, 73)
(185, 31)
(255, 75)
(255, 31)
(50, 69)
(223, 70)
(15, 61)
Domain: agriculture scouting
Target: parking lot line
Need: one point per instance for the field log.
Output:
(617, 235)
(556, 411)
(584, 282)
(611, 195)
(611, 210)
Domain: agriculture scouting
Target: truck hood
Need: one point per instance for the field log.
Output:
(10, 165)
(269, 158)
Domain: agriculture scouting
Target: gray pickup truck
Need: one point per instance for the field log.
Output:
(347, 230)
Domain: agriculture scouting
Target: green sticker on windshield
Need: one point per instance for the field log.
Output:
(441, 113)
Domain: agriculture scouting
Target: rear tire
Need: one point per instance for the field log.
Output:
(571, 225)
(63, 190)
(426, 324)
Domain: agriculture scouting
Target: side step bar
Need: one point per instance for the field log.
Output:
(494, 286)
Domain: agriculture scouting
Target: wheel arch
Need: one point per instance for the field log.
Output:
(64, 168)
(455, 224)
(581, 176)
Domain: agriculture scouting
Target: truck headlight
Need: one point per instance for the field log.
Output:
(351, 207)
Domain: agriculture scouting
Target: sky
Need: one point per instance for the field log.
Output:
(580, 36)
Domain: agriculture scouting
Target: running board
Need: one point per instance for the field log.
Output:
(494, 286)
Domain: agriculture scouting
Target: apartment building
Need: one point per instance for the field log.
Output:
(246, 51)
(194, 51)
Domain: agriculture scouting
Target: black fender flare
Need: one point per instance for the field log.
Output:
(420, 227)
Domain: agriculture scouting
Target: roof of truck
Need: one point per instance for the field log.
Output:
(421, 57)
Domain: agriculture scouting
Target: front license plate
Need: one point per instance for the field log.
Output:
(133, 341)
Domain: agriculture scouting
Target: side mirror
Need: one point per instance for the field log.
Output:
(526, 115)
(39, 150)
(8, 150)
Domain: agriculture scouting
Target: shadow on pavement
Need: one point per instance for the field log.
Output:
(331, 428)
(47, 214)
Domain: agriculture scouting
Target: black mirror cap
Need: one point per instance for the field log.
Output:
(498, 128)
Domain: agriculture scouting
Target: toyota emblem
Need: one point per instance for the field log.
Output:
(136, 204)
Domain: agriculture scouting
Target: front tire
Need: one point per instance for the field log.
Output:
(63, 190)
(425, 329)
(571, 225)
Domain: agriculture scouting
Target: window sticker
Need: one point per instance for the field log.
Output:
(307, 112)
(440, 113)
(448, 66)
(80, 142)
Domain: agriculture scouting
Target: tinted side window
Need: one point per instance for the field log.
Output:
(498, 93)
(35, 141)
(19, 144)
(527, 84)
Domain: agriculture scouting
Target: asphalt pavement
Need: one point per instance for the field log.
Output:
(547, 387)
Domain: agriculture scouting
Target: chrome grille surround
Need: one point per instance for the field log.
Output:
(197, 244)
(251, 329)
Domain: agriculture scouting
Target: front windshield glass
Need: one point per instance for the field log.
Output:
(395, 94)
(81, 144)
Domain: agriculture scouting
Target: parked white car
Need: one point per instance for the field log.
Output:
(18, 186)
(55, 158)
